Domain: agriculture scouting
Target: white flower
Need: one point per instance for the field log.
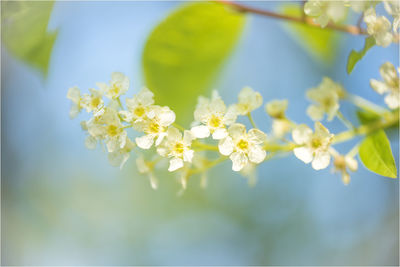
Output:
(390, 85)
(107, 126)
(243, 147)
(324, 11)
(343, 163)
(177, 148)
(119, 84)
(280, 127)
(155, 127)
(326, 97)
(74, 94)
(121, 155)
(393, 8)
(378, 27)
(93, 102)
(249, 100)
(213, 116)
(276, 108)
(313, 146)
(145, 167)
(138, 106)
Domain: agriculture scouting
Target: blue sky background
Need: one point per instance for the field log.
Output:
(65, 205)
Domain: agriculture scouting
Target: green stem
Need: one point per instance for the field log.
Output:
(251, 120)
(390, 120)
(178, 126)
(208, 166)
(203, 146)
(366, 104)
(345, 121)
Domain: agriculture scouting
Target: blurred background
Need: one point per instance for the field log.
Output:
(65, 205)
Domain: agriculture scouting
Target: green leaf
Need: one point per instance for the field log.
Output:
(356, 56)
(376, 154)
(24, 31)
(321, 44)
(185, 51)
(366, 116)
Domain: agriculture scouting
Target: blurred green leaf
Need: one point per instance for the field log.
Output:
(321, 44)
(185, 51)
(24, 31)
(376, 154)
(356, 56)
(366, 116)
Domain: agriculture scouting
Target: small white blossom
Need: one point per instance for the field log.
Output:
(146, 168)
(177, 147)
(343, 163)
(313, 146)
(326, 97)
(393, 8)
(155, 127)
(378, 27)
(119, 85)
(121, 155)
(249, 100)
(324, 11)
(109, 128)
(276, 108)
(138, 107)
(74, 94)
(213, 116)
(93, 102)
(280, 124)
(390, 85)
(243, 147)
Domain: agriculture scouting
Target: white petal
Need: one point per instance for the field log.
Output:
(219, 133)
(188, 137)
(175, 164)
(173, 134)
(74, 94)
(160, 137)
(141, 165)
(226, 146)
(90, 142)
(256, 136)
(237, 130)
(200, 131)
(321, 160)
(351, 163)
(167, 117)
(378, 86)
(301, 134)
(230, 116)
(316, 113)
(153, 181)
(257, 154)
(145, 97)
(304, 154)
(188, 155)
(74, 111)
(145, 141)
(239, 160)
(392, 100)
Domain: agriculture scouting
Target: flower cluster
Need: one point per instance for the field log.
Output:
(379, 27)
(216, 128)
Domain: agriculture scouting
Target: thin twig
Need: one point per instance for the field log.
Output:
(343, 28)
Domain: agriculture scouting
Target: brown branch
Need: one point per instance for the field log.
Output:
(343, 28)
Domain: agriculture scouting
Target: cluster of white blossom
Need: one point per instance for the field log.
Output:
(380, 27)
(215, 128)
(390, 85)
